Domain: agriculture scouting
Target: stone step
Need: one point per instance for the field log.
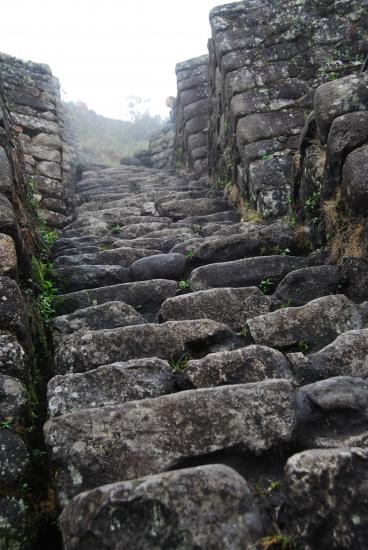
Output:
(79, 277)
(159, 266)
(94, 446)
(182, 208)
(251, 364)
(201, 220)
(79, 352)
(347, 356)
(110, 385)
(309, 327)
(333, 413)
(319, 505)
(107, 315)
(231, 306)
(303, 285)
(145, 295)
(124, 257)
(246, 272)
(208, 506)
(262, 241)
(64, 243)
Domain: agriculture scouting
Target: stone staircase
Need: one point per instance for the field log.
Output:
(209, 387)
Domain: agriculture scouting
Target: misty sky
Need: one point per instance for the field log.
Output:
(102, 51)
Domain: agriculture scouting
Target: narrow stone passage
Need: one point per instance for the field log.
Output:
(178, 357)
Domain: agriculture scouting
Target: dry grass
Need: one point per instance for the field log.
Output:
(246, 212)
(302, 238)
(344, 234)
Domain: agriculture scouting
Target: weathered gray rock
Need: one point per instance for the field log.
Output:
(13, 309)
(79, 352)
(183, 208)
(12, 356)
(327, 498)
(116, 256)
(338, 97)
(256, 241)
(313, 326)
(13, 399)
(232, 306)
(107, 315)
(347, 133)
(14, 525)
(79, 277)
(345, 356)
(95, 446)
(355, 181)
(8, 256)
(247, 272)
(306, 284)
(13, 458)
(203, 507)
(333, 413)
(161, 266)
(251, 364)
(149, 293)
(110, 385)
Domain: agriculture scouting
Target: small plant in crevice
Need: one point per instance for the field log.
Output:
(106, 247)
(190, 254)
(266, 285)
(277, 542)
(116, 229)
(266, 157)
(183, 286)
(178, 365)
(263, 490)
(245, 331)
(198, 230)
(303, 347)
(139, 308)
(43, 275)
(286, 304)
(312, 204)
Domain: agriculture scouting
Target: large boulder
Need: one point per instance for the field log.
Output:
(94, 446)
(196, 508)
(327, 498)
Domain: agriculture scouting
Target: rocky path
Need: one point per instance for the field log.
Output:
(209, 387)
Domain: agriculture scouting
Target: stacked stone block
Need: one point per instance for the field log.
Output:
(265, 63)
(33, 95)
(191, 150)
(161, 146)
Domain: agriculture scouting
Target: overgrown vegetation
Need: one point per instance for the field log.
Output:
(344, 234)
(178, 365)
(105, 140)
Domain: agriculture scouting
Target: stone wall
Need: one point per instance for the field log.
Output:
(265, 63)
(190, 146)
(23, 365)
(33, 95)
(161, 146)
(330, 192)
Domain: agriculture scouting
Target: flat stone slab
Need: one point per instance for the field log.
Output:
(123, 256)
(347, 356)
(160, 266)
(327, 500)
(232, 306)
(107, 315)
(150, 293)
(79, 352)
(247, 272)
(183, 208)
(240, 366)
(94, 446)
(313, 326)
(80, 277)
(333, 413)
(110, 385)
(203, 507)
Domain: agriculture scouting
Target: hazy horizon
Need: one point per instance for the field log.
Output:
(102, 55)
